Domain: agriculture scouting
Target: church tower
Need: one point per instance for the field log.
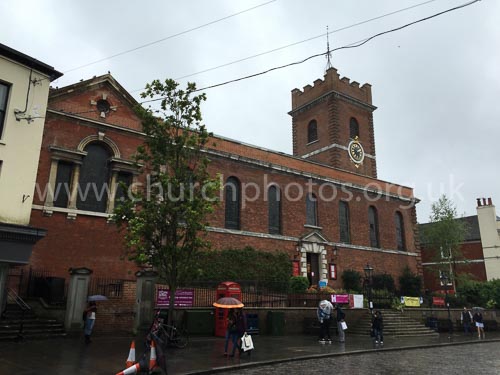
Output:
(332, 123)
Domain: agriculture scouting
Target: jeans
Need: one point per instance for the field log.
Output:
(379, 335)
(89, 325)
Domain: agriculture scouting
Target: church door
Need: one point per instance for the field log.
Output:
(313, 268)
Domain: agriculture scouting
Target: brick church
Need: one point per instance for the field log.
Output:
(323, 205)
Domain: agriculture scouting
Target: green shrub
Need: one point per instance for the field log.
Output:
(383, 281)
(298, 284)
(410, 284)
(351, 280)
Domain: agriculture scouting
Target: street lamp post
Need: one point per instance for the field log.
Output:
(368, 277)
(444, 281)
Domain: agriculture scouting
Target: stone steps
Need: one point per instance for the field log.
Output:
(33, 327)
(395, 324)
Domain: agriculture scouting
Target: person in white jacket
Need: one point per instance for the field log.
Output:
(324, 314)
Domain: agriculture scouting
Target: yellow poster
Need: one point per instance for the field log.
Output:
(412, 301)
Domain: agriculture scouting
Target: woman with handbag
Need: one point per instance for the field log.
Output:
(241, 328)
(231, 331)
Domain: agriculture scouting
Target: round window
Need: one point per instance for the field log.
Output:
(103, 105)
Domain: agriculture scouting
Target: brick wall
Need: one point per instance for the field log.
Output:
(117, 315)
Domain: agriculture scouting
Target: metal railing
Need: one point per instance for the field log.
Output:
(13, 297)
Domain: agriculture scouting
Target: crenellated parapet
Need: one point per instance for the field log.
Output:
(331, 83)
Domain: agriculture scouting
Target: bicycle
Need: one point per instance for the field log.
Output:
(166, 334)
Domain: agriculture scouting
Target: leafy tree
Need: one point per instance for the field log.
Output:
(443, 236)
(410, 284)
(351, 280)
(164, 221)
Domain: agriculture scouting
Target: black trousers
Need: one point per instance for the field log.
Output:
(324, 329)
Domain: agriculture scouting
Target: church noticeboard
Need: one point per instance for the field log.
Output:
(183, 298)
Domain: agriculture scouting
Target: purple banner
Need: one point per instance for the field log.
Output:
(340, 298)
(183, 298)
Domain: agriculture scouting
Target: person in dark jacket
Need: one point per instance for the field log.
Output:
(378, 327)
(478, 319)
(466, 319)
(231, 331)
(241, 328)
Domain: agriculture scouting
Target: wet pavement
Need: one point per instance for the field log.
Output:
(287, 354)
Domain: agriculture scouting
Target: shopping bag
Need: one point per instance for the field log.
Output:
(343, 325)
(246, 342)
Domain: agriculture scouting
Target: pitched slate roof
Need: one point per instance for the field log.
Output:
(471, 224)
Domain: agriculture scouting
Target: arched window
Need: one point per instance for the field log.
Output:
(233, 203)
(93, 185)
(345, 233)
(311, 210)
(373, 222)
(274, 196)
(312, 131)
(353, 128)
(400, 231)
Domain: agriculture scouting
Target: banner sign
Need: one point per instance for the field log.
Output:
(356, 301)
(340, 298)
(183, 298)
(438, 301)
(412, 301)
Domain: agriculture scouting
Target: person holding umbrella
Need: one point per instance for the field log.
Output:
(89, 314)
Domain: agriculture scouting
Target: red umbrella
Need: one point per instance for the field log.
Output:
(228, 303)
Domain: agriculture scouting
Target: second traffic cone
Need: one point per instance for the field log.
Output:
(131, 355)
(152, 357)
(130, 370)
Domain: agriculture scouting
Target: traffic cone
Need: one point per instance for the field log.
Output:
(131, 355)
(130, 370)
(152, 357)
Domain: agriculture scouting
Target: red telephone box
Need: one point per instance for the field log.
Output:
(225, 289)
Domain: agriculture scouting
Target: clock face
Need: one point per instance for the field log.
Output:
(356, 152)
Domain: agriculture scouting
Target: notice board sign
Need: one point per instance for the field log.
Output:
(340, 298)
(183, 298)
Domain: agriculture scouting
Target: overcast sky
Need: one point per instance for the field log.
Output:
(436, 84)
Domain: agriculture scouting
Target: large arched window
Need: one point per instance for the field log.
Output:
(311, 210)
(233, 203)
(312, 131)
(93, 184)
(274, 197)
(345, 233)
(353, 128)
(400, 231)
(373, 222)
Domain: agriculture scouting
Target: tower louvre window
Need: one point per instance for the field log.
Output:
(353, 128)
(312, 131)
